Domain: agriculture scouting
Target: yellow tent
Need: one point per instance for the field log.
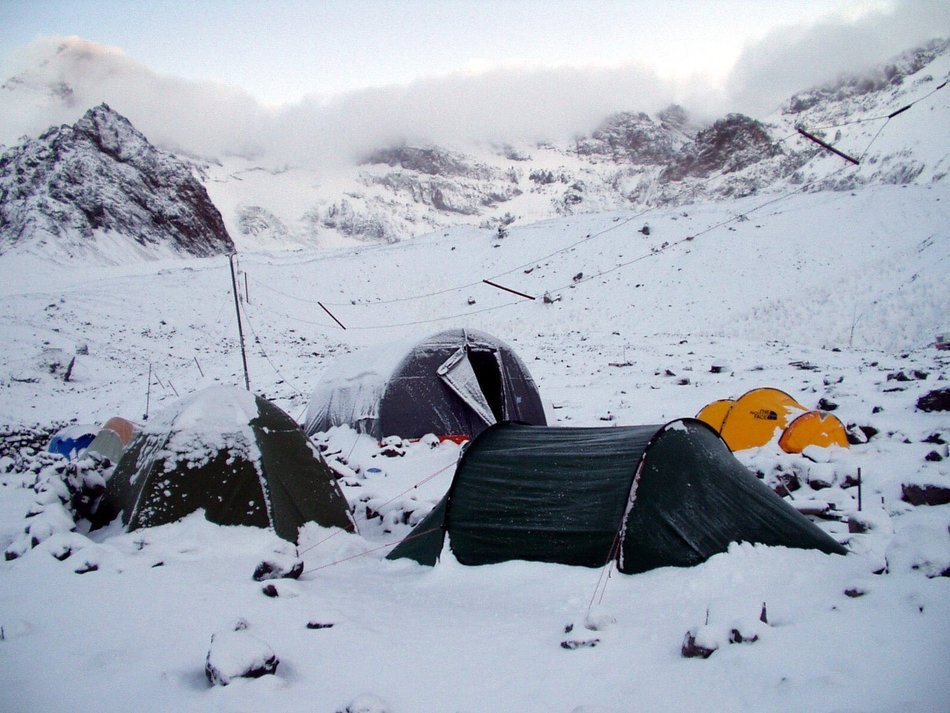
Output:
(714, 412)
(813, 428)
(756, 415)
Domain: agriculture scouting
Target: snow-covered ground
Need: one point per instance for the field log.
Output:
(834, 296)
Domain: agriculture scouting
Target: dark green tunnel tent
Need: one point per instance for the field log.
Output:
(644, 496)
(233, 454)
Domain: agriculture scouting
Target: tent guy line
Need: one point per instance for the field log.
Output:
(587, 278)
(414, 486)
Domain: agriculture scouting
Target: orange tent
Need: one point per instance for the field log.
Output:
(122, 427)
(714, 412)
(113, 438)
(813, 428)
(756, 415)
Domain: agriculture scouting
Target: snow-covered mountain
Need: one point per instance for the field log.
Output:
(632, 161)
(98, 190)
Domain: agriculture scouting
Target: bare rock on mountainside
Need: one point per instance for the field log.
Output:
(729, 145)
(102, 177)
(629, 137)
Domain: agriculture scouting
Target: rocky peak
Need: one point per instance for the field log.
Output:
(729, 145)
(112, 134)
(629, 137)
(675, 119)
(101, 176)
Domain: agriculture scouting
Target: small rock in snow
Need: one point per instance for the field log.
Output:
(692, 648)
(936, 400)
(319, 625)
(929, 494)
(278, 569)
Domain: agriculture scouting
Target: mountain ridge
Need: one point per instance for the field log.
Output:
(630, 161)
(74, 185)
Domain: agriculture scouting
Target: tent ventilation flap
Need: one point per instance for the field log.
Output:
(459, 375)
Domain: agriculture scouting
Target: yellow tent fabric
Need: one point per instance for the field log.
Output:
(813, 428)
(715, 412)
(755, 416)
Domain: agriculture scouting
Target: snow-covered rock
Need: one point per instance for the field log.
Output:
(235, 653)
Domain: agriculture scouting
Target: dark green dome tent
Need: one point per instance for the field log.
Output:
(644, 496)
(233, 454)
(455, 383)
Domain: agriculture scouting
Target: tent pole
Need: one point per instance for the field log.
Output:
(237, 309)
(148, 391)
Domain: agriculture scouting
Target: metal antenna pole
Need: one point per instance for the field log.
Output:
(237, 309)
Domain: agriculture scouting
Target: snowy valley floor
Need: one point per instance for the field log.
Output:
(825, 296)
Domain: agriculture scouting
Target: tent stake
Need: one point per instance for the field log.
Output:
(69, 369)
(237, 309)
(331, 315)
(508, 289)
(859, 490)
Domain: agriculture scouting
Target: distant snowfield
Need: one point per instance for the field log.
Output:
(824, 295)
(861, 270)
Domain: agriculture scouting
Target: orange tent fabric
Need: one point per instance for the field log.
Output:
(813, 428)
(756, 415)
(715, 412)
(121, 427)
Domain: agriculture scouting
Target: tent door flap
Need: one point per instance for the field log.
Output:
(458, 375)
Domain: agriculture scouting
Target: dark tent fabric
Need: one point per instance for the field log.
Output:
(454, 383)
(645, 496)
(233, 454)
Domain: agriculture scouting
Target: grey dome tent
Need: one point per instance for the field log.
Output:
(454, 383)
(643, 496)
(237, 456)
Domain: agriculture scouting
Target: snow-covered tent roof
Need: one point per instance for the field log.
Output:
(454, 383)
(233, 454)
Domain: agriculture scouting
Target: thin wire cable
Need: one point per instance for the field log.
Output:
(693, 236)
(411, 536)
(888, 116)
(260, 346)
(457, 288)
(415, 485)
(584, 240)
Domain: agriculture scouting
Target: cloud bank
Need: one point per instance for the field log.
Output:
(792, 59)
(55, 80)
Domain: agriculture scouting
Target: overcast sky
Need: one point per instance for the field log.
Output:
(427, 69)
